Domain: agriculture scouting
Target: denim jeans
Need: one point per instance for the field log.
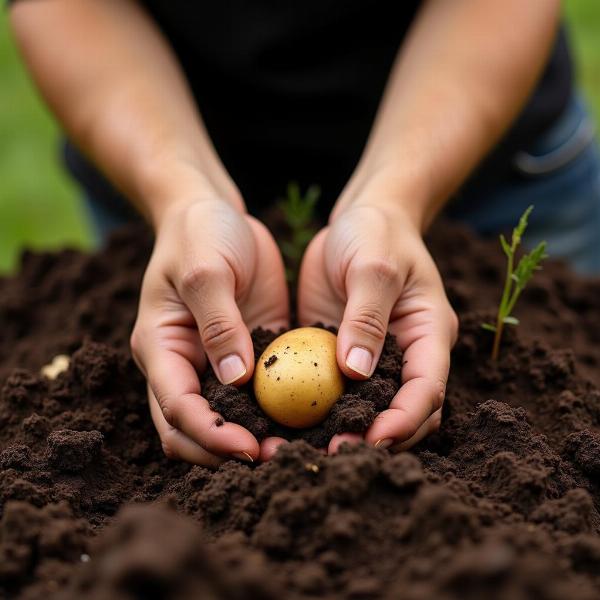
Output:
(559, 174)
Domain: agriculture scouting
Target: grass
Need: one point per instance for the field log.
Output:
(39, 206)
(583, 20)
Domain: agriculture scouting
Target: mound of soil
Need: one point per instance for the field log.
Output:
(502, 503)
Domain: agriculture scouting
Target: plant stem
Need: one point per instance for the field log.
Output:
(516, 279)
(502, 308)
(497, 337)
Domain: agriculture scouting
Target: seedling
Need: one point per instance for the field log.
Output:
(298, 212)
(516, 279)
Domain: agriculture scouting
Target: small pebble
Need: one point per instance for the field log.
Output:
(60, 363)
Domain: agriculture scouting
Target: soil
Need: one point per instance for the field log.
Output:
(503, 502)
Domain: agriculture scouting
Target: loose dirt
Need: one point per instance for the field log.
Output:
(502, 503)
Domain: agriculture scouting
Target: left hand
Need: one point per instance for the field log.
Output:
(369, 272)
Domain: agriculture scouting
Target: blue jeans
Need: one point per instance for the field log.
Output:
(559, 174)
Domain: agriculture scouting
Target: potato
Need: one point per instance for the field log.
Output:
(297, 379)
(60, 364)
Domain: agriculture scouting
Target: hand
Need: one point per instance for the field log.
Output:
(369, 271)
(214, 273)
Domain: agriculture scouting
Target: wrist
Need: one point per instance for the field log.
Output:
(399, 194)
(164, 189)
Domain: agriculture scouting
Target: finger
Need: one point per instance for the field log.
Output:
(337, 440)
(185, 409)
(209, 293)
(175, 444)
(372, 288)
(176, 387)
(427, 361)
(269, 446)
(430, 426)
(267, 304)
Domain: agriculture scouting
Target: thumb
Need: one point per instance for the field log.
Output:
(372, 290)
(209, 293)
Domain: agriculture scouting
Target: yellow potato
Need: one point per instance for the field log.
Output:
(297, 380)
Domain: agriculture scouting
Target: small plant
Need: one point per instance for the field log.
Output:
(298, 212)
(516, 279)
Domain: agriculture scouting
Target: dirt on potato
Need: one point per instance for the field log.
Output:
(502, 503)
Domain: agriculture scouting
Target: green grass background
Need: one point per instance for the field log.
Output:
(39, 205)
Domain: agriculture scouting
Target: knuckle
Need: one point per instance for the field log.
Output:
(382, 269)
(415, 427)
(167, 409)
(135, 342)
(216, 331)
(200, 275)
(454, 325)
(438, 395)
(168, 448)
(435, 421)
(369, 320)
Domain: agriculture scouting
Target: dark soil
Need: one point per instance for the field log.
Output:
(502, 503)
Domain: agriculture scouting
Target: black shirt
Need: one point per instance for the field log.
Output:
(289, 90)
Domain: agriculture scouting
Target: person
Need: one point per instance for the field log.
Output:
(200, 114)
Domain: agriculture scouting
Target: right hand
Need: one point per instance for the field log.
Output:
(214, 273)
(370, 272)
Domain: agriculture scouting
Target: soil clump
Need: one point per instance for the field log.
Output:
(503, 502)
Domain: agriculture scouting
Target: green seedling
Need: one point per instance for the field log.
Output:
(516, 279)
(298, 212)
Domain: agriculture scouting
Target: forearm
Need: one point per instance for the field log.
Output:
(460, 79)
(115, 85)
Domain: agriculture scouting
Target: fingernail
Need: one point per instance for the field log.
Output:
(231, 368)
(243, 456)
(383, 444)
(360, 360)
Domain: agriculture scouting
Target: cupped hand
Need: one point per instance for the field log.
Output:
(369, 272)
(215, 273)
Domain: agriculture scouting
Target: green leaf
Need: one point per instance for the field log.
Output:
(304, 236)
(298, 213)
(291, 250)
(313, 193)
(516, 277)
(293, 192)
(488, 327)
(528, 264)
(521, 227)
(297, 210)
(505, 245)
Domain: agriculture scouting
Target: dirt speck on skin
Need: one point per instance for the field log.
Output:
(501, 503)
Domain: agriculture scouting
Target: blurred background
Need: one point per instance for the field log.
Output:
(39, 205)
